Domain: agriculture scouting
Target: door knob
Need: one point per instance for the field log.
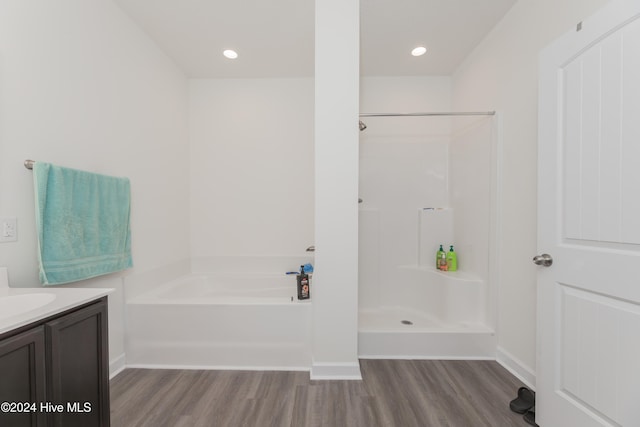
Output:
(544, 260)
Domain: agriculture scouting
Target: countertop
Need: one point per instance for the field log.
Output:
(62, 299)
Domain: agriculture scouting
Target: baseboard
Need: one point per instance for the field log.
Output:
(216, 367)
(516, 367)
(414, 357)
(117, 365)
(335, 371)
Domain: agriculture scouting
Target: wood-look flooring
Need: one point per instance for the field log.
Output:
(402, 393)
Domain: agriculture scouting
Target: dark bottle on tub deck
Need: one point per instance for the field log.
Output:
(303, 284)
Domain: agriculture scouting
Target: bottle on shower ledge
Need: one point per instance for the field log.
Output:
(303, 284)
(452, 260)
(440, 257)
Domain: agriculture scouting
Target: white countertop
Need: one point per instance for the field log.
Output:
(25, 310)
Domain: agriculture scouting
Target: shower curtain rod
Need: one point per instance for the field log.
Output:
(468, 113)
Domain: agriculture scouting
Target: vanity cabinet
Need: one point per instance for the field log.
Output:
(22, 377)
(59, 366)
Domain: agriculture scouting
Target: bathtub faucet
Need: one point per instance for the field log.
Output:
(311, 248)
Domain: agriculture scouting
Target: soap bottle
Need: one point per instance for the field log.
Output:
(452, 260)
(303, 284)
(440, 255)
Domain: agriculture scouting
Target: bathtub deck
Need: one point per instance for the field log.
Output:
(392, 393)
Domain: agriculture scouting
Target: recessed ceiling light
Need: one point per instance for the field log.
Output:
(231, 54)
(419, 51)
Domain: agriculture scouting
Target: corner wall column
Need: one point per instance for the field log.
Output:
(335, 287)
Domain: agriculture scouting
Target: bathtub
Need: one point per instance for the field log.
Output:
(225, 288)
(430, 315)
(220, 320)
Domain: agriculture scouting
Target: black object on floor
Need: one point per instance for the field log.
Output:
(530, 417)
(526, 400)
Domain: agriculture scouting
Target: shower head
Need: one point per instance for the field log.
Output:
(362, 125)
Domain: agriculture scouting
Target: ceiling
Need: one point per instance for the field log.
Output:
(275, 38)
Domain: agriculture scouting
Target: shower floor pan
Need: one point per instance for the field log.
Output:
(404, 333)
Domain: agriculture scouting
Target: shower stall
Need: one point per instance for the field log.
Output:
(426, 179)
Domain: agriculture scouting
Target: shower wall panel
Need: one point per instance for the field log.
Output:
(471, 175)
(403, 169)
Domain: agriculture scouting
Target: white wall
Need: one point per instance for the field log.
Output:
(501, 74)
(252, 166)
(403, 168)
(83, 87)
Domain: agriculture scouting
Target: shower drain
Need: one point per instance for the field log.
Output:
(406, 322)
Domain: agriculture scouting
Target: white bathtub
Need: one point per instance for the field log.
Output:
(220, 320)
(224, 288)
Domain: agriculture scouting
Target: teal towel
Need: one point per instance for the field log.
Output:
(82, 222)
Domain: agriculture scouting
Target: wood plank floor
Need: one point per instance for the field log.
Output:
(401, 393)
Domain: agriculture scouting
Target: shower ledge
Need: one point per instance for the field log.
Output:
(460, 275)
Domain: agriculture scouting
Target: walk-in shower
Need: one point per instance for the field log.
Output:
(426, 179)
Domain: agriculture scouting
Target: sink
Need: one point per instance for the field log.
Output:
(13, 305)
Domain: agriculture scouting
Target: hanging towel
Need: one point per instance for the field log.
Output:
(82, 223)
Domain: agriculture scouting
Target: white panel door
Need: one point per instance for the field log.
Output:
(588, 350)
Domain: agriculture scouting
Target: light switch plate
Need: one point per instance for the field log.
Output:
(8, 230)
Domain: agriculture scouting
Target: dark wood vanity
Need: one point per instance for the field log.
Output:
(55, 371)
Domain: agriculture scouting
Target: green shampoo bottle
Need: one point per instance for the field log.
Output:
(452, 260)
